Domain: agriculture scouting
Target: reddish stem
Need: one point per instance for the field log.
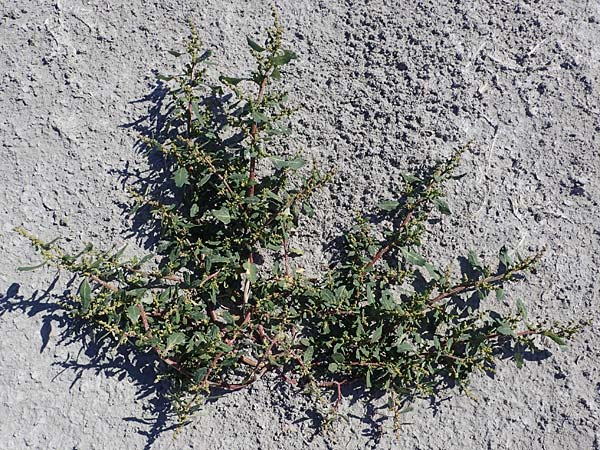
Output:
(465, 286)
(386, 248)
(338, 387)
(103, 283)
(520, 333)
(252, 176)
(210, 277)
(286, 258)
(254, 133)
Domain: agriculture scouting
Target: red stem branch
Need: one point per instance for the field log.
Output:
(466, 286)
(388, 246)
(254, 133)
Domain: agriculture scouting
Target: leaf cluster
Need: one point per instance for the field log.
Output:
(221, 301)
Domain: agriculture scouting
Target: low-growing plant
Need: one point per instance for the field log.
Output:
(223, 301)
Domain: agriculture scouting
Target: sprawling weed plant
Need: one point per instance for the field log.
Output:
(223, 302)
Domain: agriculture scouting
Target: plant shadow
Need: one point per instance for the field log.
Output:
(103, 355)
(149, 180)
(367, 407)
(155, 129)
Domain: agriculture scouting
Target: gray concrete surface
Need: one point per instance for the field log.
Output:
(384, 84)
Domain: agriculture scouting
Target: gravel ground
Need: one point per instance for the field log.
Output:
(383, 84)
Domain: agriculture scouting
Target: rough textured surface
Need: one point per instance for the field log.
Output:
(384, 83)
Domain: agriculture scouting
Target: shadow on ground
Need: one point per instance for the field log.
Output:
(103, 354)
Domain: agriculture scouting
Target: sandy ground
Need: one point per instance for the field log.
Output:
(383, 84)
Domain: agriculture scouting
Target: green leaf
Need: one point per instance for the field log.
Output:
(388, 205)
(409, 178)
(413, 258)
(281, 163)
(338, 358)
(207, 54)
(133, 312)
(368, 379)
(459, 176)
(194, 210)
(196, 109)
(28, 268)
(227, 317)
(222, 215)
(219, 259)
(200, 374)
(474, 260)
(308, 354)
(518, 356)
(204, 180)
(295, 163)
(327, 296)
(119, 253)
(342, 294)
(278, 161)
(504, 257)
(232, 81)
(442, 206)
(436, 343)
(255, 46)
(174, 340)
(555, 337)
(252, 200)
(433, 273)
(295, 252)
(505, 330)
(138, 293)
(85, 294)
(377, 334)
(48, 245)
(144, 260)
(284, 58)
(500, 295)
(404, 347)
(175, 53)
(308, 210)
(370, 296)
(387, 301)
(181, 177)
(251, 271)
(270, 194)
(332, 367)
(259, 117)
